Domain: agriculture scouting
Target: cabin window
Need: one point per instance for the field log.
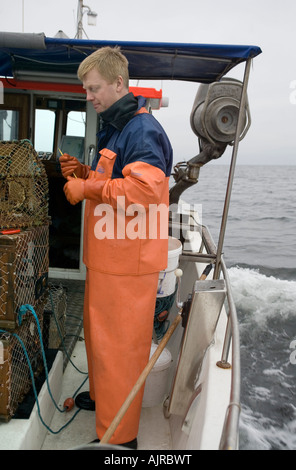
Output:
(76, 123)
(9, 124)
(44, 130)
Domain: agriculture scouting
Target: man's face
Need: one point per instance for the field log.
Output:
(101, 93)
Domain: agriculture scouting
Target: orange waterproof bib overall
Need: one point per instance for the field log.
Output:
(121, 288)
(112, 323)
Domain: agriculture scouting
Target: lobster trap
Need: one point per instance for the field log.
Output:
(15, 371)
(23, 186)
(54, 320)
(24, 264)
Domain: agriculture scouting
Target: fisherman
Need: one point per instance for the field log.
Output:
(128, 177)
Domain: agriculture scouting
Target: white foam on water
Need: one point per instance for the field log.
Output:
(266, 309)
(258, 432)
(262, 296)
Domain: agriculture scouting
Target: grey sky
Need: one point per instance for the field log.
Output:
(265, 23)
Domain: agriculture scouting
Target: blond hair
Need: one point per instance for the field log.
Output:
(110, 62)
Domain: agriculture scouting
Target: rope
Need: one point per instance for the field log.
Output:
(22, 311)
(162, 310)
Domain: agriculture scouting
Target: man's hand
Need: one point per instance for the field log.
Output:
(71, 166)
(74, 190)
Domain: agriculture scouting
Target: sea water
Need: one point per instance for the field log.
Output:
(260, 252)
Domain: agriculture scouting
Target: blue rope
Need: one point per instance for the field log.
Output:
(162, 310)
(34, 386)
(22, 311)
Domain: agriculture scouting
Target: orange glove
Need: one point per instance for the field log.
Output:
(74, 190)
(71, 166)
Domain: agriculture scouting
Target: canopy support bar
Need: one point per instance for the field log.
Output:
(232, 170)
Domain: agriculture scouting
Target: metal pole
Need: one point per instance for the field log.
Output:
(79, 19)
(232, 170)
(231, 424)
(23, 16)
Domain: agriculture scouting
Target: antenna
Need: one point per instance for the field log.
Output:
(91, 15)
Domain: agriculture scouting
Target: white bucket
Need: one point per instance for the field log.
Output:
(157, 380)
(167, 278)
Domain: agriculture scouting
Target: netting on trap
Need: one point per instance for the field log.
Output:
(23, 186)
(54, 319)
(15, 374)
(24, 264)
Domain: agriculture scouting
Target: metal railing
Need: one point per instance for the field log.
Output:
(229, 437)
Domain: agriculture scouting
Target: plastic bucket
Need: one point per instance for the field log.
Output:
(157, 381)
(167, 278)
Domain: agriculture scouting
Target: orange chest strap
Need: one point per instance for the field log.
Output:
(142, 111)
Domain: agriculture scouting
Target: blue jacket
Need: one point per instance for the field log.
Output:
(127, 197)
(141, 139)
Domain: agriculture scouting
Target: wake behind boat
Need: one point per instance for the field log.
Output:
(192, 394)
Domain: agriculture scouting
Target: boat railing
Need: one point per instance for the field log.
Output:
(208, 254)
(229, 437)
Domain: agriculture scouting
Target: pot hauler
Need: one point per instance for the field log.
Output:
(133, 166)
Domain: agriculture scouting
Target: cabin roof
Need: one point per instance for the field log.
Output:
(27, 56)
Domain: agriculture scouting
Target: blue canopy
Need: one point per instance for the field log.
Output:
(35, 56)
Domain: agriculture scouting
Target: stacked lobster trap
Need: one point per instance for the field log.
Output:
(23, 186)
(24, 264)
